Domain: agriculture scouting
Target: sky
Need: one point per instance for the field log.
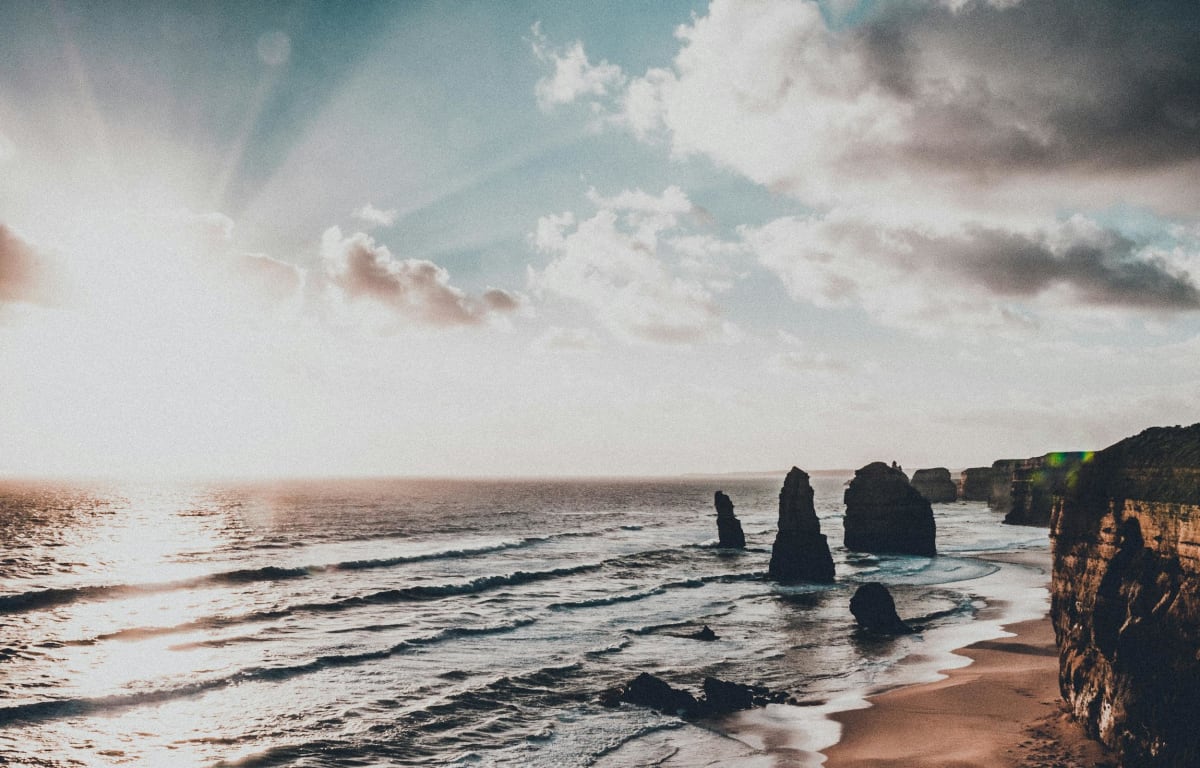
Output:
(593, 238)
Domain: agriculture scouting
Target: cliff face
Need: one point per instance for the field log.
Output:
(1126, 597)
(1000, 494)
(886, 514)
(976, 484)
(935, 485)
(1038, 481)
(801, 551)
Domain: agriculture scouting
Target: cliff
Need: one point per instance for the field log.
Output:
(935, 485)
(800, 551)
(1126, 597)
(884, 513)
(729, 528)
(976, 484)
(1038, 481)
(1000, 493)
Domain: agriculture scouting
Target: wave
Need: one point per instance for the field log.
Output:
(75, 707)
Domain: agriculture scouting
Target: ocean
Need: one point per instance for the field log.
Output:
(453, 622)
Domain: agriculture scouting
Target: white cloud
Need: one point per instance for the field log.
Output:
(574, 76)
(415, 290)
(618, 266)
(559, 339)
(373, 216)
(8, 150)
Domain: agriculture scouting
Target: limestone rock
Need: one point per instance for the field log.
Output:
(884, 513)
(1037, 482)
(800, 551)
(646, 690)
(729, 528)
(976, 484)
(1126, 597)
(875, 610)
(935, 485)
(1000, 494)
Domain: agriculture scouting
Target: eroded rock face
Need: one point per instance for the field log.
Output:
(1000, 493)
(935, 485)
(720, 697)
(884, 513)
(800, 551)
(729, 528)
(1126, 597)
(1037, 482)
(875, 610)
(976, 484)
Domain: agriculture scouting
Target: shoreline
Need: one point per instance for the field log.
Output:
(1002, 709)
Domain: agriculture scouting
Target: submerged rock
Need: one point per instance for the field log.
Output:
(884, 513)
(706, 634)
(646, 690)
(729, 528)
(1126, 597)
(720, 697)
(800, 551)
(875, 610)
(935, 485)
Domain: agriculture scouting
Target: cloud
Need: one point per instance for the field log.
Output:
(618, 266)
(922, 279)
(990, 110)
(371, 215)
(574, 76)
(558, 339)
(414, 289)
(265, 280)
(8, 150)
(23, 275)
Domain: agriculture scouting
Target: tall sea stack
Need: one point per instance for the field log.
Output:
(1126, 597)
(884, 513)
(800, 552)
(729, 529)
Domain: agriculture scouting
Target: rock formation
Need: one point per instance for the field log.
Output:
(886, 514)
(875, 610)
(1126, 597)
(935, 485)
(976, 484)
(1000, 493)
(729, 528)
(720, 697)
(800, 551)
(1037, 482)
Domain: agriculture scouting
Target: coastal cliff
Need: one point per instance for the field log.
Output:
(1037, 482)
(1126, 597)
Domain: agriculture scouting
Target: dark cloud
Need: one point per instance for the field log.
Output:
(1100, 266)
(1046, 84)
(417, 289)
(22, 273)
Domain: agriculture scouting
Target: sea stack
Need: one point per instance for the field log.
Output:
(800, 552)
(729, 529)
(976, 484)
(1126, 597)
(885, 514)
(875, 610)
(935, 485)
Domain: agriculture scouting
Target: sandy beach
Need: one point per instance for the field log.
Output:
(1001, 710)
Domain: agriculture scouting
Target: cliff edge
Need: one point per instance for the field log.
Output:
(1126, 597)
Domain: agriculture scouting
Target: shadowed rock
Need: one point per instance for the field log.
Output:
(1000, 494)
(720, 697)
(646, 690)
(1037, 482)
(976, 484)
(800, 551)
(1126, 597)
(935, 485)
(875, 610)
(884, 513)
(729, 528)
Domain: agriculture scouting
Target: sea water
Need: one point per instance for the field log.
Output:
(451, 622)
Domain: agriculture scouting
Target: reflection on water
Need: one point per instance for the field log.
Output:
(401, 622)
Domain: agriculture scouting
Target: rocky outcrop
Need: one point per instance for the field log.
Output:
(729, 528)
(976, 484)
(720, 697)
(884, 513)
(1126, 597)
(935, 485)
(1037, 482)
(875, 610)
(800, 551)
(1000, 493)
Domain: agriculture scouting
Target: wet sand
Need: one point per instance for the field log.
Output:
(1001, 710)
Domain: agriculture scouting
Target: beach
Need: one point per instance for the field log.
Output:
(1003, 709)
